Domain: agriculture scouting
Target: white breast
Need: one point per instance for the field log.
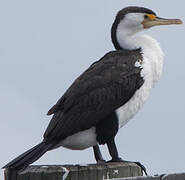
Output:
(151, 72)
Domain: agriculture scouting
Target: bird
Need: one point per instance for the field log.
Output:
(106, 95)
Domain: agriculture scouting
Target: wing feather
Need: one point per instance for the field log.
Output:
(103, 87)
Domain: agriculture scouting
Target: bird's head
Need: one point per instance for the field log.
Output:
(132, 19)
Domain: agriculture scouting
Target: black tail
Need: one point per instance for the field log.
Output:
(29, 156)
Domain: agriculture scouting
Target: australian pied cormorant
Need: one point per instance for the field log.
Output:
(108, 94)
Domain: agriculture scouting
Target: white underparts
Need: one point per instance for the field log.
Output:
(151, 65)
(80, 140)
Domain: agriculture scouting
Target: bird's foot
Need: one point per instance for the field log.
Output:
(121, 160)
(142, 167)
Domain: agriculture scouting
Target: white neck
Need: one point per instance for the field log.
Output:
(126, 31)
(126, 39)
(151, 51)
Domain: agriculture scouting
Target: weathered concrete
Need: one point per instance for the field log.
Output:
(177, 176)
(76, 172)
(111, 171)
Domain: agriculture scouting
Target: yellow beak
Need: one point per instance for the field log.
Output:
(160, 21)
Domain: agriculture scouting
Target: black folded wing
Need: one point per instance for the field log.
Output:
(105, 86)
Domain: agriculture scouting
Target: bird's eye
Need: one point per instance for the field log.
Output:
(146, 16)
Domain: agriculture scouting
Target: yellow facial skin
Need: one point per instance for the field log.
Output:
(151, 16)
(152, 20)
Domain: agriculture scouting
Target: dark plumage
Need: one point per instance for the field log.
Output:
(107, 128)
(103, 87)
(90, 101)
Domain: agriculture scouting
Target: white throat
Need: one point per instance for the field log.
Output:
(127, 39)
(126, 31)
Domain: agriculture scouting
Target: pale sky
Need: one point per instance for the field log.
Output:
(45, 45)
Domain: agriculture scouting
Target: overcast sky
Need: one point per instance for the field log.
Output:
(45, 45)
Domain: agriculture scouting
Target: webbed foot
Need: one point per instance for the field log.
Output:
(121, 160)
